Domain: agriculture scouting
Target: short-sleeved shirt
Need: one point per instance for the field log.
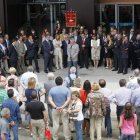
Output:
(59, 95)
(28, 93)
(36, 109)
(3, 95)
(4, 126)
(128, 125)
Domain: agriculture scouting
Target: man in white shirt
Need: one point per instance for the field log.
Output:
(26, 76)
(133, 82)
(106, 92)
(121, 96)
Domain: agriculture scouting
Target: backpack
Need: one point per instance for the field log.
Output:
(71, 84)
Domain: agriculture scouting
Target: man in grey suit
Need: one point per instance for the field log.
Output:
(20, 48)
(72, 52)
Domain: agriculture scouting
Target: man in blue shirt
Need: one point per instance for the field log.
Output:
(15, 115)
(59, 98)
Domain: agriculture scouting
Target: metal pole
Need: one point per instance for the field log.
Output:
(54, 13)
(28, 13)
(51, 18)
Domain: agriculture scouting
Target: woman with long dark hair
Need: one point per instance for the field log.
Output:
(128, 123)
(83, 95)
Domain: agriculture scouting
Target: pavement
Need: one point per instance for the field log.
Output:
(92, 74)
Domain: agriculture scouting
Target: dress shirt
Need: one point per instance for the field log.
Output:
(107, 93)
(135, 98)
(25, 77)
(13, 106)
(133, 83)
(121, 96)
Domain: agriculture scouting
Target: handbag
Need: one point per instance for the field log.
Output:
(48, 134)
(73, 116)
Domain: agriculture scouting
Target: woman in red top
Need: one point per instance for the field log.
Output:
(83, 94)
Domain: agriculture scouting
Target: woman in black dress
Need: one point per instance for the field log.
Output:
(109, 52)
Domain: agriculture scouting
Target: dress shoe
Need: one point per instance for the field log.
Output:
(46, 71)
(114, 70)
(119, 72)
(81, 67)
(124, 73)
(51, 71)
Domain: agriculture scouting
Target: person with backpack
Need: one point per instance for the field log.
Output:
(69, 81)
(83, 96)
(97, 110)
(128, 123)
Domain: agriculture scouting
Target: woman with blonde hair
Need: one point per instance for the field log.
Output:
(75, 114)
(13, 71)
(28, 92)
(58, 52)
(97, 110)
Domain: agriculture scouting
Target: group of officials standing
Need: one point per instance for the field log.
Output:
(76, 47)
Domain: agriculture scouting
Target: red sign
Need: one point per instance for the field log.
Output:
(70, 18)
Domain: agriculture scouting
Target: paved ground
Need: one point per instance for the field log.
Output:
(93, 75)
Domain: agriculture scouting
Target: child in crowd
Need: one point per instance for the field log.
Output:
(128, 123)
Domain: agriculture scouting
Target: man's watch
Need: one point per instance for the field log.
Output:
(55, 108)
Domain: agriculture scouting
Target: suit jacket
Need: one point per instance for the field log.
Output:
(124, 50)
(65, 46)
(1, 53)
(30, 49)
(13, 53)
(72, 52)
(79, 41)
(7, 46)
(20, 48)
(86, 43)
(47, 47)
(117, 46)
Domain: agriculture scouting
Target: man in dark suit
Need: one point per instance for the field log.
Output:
(31, 52)
(117, 51)
(84, 51)
(78, 40)
(7, 44)
(13, 55)
(124, 56)
(132, 59)
(65, 43)
(137, 50)
(48, 53)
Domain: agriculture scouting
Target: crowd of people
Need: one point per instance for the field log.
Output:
(72, 47)
(78, 108)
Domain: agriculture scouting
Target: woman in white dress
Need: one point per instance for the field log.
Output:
(95, 50)
(58, 52)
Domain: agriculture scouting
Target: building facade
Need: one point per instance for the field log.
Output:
(14, 14)
(123, 14)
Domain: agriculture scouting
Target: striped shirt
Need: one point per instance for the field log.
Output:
(3, 95)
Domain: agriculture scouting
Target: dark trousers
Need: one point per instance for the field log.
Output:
(102, 54)
(13, 64)
(119, 112)
(48, 62)
(108, 125)
(31, 59)
(116, 61)
(124, 65)
(138, 63)
(65, 60)
(132, 59)
(84, 58)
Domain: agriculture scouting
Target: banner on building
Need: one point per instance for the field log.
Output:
(70, 18)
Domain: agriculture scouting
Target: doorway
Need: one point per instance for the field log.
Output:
(125, 17)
